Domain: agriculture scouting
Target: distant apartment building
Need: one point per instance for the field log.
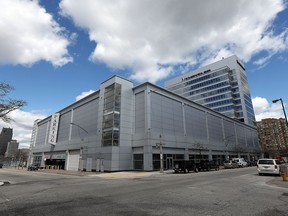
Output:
(5, 137)
(221, 86)
(273, 136)
(12, 149)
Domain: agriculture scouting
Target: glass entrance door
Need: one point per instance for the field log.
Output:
(169, 163)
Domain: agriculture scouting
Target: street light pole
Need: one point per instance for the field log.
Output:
(161, 155)
(79, 127)
(160, 145)
(82, 140)
(275, 101)
(280, 99)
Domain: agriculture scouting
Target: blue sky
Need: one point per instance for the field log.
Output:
(55, 51)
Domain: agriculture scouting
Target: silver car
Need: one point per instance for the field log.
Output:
(230, 164)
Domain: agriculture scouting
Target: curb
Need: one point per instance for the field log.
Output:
(76, 173)
(278, 182)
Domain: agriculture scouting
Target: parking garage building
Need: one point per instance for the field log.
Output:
(120, 127)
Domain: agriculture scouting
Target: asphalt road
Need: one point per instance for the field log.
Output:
(224, 192)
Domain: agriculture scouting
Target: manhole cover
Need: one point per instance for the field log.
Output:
(285, 194)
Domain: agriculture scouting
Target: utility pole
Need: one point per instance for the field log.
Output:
(275, 101)
(161, 155)
(280, 99)
(160, 146)
(82, 143)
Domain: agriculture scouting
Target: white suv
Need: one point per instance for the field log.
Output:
(268, 166)
(240, 161)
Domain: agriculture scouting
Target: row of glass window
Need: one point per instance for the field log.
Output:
(111, 124)
(208, 88)
(220, 103)
(225, 108)
(199, 79)
(205, 77)
(249, 105)
(219, 97)
(233, 84)
(215, 92)
(250, 110)
(206, 83)
(238, 108)
(112, 142)
(239, 114)
(112, 134)
(111, 117)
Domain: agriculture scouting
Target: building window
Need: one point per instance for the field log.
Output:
(37, 160)
(111, 117)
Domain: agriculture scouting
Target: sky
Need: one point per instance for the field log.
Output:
(56, 52)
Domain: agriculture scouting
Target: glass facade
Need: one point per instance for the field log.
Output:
(111, 117)
(224, 90)
(168, 160)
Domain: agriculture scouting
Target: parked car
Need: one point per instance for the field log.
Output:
(251, 163)
(1, 165)
(185, 166)
(240, 161)
(208, 165)
(33, 167)
(268, 166)
(230, 164)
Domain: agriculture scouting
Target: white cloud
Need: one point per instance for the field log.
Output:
(22, 125)
(264, 110)
(150, 37)
(84, 94)
(260, 104)
(29, 34)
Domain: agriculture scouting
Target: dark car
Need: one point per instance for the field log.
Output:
(33, 167)
(185, 166)
(208, 165)
(251, 163)
(1, 165)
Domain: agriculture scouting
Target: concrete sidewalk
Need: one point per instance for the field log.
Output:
(66, 172)
(106, 175)
(278, 181)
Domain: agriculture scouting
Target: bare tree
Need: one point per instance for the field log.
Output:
(8, 105)
(21, 156)
(200, 147)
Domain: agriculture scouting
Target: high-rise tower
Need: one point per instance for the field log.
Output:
(5, 137)
(221, 86)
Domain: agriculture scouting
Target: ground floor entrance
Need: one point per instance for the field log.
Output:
(73, 160)
(55, 164)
